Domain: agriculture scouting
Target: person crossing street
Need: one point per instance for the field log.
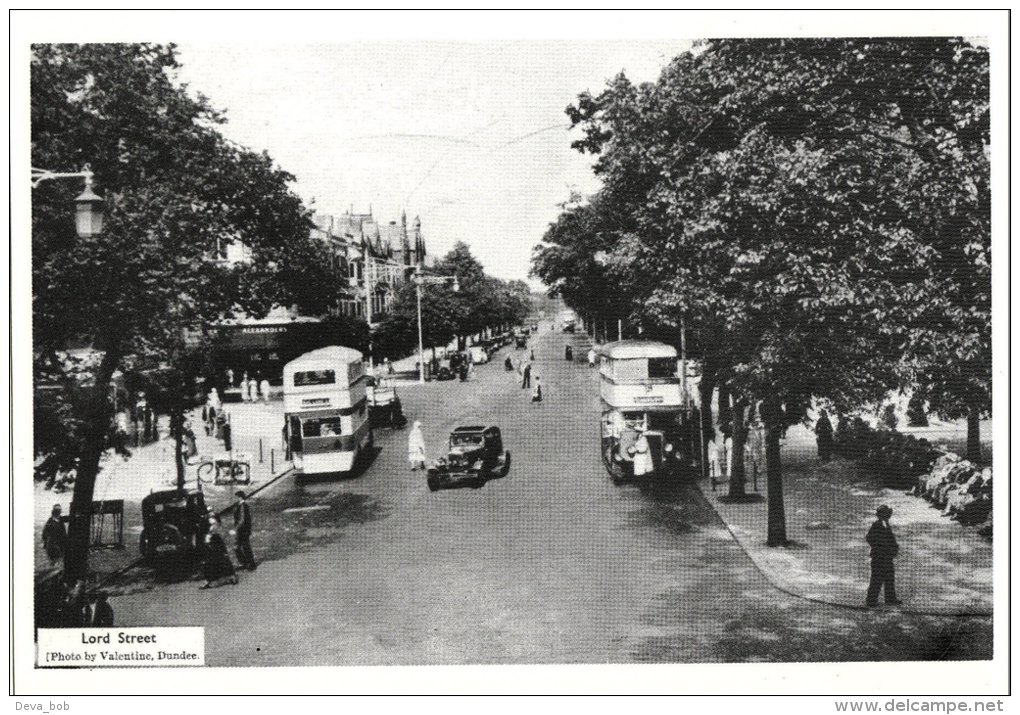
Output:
(242, 532)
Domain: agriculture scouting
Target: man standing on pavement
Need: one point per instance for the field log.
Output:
(823, 431)
(883, 550)
(591, 357)
(527, 375)
(242, 530)
(54, 536)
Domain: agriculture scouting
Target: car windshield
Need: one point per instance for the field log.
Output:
(466, 440)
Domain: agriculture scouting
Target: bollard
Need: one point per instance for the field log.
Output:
(260, 451)
(272, 461)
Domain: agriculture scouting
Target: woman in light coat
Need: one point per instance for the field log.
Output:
(714, 465)
(642, 454)
(416, 447)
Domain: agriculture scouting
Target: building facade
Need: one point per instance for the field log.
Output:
(375, 260)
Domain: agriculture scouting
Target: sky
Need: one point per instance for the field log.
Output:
(470, 136)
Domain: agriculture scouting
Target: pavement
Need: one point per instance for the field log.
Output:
(943, 567)
(151, 468)
(551, 564)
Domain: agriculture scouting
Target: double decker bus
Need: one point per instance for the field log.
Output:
(326, 416)
(641, 392)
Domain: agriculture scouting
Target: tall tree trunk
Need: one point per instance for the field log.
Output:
(705, 389)
(737, 477)
(974, 434)
(99, 415)
(772, 415)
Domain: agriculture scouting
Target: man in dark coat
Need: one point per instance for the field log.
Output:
(883, 550)
(527, 376)
(823, 431)
(242, 530)
(54, 536)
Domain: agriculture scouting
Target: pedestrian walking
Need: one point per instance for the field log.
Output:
(230, 377)
(728, 456)
(823, 432)
(228, 434)
(527, 375)
(245, 388)
(416, 447)
(536, 393)
(212, 410)
(755, 449)
(253, 389)
(508, 364)
(532, 355)
(591, 357)
(264, 390)
(242, 532)
(714, 466)
(389, 366)
(102, 612)
(883, 550)
(642, 454)
(216, 564)
(568, 353)
(188, 437)
(54, 536)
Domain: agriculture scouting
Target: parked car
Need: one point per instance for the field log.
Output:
(174, 522)
(475, 456)
(445, 368)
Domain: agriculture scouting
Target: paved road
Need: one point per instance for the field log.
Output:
(552, 564)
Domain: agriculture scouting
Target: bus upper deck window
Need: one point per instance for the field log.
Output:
(662, 367)
(314, 377)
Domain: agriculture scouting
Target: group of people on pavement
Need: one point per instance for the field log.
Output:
(252, 389)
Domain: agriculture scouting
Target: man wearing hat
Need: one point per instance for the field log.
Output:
(883, 550)
(242, 530)
(54, 536)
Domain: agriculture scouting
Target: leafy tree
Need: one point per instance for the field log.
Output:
(778, 198)
(174, 189)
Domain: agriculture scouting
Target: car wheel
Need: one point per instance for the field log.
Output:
(433, 484)
(506, 464)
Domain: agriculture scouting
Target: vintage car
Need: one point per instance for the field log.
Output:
(475, 456)
(174, 522)
(445, 368)
(384, 406)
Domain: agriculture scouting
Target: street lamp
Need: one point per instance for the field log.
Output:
(88, 217)
(421, 279)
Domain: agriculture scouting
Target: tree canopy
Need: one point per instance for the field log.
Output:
(175, 189)
(815, 211)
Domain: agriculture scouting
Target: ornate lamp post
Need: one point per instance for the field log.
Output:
(88, 217)
(421, 279)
